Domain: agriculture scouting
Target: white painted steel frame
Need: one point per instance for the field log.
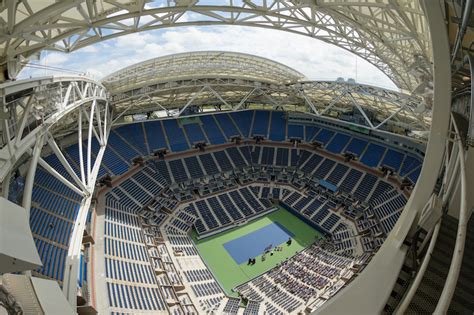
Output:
(317, 97)
(77, 97)
(43, 103)
(364, 295)
(392, 35)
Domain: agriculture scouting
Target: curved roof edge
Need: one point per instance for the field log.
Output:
(199, 64)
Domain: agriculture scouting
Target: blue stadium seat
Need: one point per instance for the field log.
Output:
(282, 157)
(294, 157)
(324, 168)
(243, 120)
(365, 186)
(55, 207)
(337, 174)
(311, 131)
(194, 133)
(413, 176)
(312, 163)
(295, 131)
(338, 143)
(134, 134)
(409, 164)
(324, 136)
(393, 159)
(246, 153)
(268, 154)
(178, 171)
(54, 228)
(175, 135)
(162, 168)
(260, 123)
(256, 155)
(373, 155)
(223, 161)
(53, 258)
(227, 125)
(212, 130)
(277, 126)
(72, 154)
(155, 135)
(122, 148)
(193, 166)
(356, 146)
(236, 157)
(113, 162)
(350, 180)
(209, 165)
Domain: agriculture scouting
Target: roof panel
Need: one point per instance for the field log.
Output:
(199, 65)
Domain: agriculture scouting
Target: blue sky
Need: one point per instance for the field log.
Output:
(315, 59)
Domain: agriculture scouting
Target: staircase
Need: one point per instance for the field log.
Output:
(429, 291)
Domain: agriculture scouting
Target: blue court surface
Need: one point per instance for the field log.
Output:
(254, 244)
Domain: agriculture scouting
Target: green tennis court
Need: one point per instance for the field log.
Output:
(224, 267)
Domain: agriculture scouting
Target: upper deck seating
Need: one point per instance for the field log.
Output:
(338, 143)
(373, 155)
(135, 136)
(175, 135)
(243, 121)
(227, 125)
(295, 131)
(277, 126)
(155, 135)
(356, 146)
(194, 133)
(213, 132)
(324, 136)
(393, 159)
(260, 123)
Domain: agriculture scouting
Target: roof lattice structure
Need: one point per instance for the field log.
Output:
(201, 65)
(392, 35)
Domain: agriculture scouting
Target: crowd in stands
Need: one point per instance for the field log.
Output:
(305, 276)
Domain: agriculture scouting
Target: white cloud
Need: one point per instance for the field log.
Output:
(54, 58)
(89, 49)
(314, 58)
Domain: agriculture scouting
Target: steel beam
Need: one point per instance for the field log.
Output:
(390, 36)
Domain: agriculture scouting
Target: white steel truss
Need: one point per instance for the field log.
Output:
(392, 35)
(31, 108)
(317, 97)
(35, 113)
(199, 65)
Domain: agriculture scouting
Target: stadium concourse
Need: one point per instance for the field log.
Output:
(322, 174)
